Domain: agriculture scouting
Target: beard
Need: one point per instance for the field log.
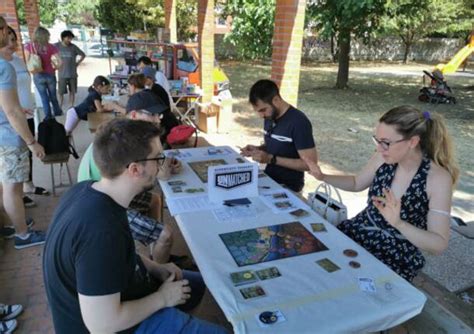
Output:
(274, 114)
(151, 181)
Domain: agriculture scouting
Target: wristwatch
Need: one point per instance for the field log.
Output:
(273, 160)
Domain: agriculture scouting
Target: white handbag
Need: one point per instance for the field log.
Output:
(321, 201)
(34, 63)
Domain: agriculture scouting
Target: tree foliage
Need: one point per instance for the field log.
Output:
(252, 27)
(343, 19)
(82, 12)
(48, 11)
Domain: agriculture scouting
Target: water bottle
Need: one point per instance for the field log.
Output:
(116, 91)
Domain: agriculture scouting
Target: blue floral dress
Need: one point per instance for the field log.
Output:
(374, 233)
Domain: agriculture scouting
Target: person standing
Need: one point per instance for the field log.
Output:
(45, 80)
(15, 140)
(67, 74)
(288, 137)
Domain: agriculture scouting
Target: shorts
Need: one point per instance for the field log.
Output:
(67, 85)
(14, 164)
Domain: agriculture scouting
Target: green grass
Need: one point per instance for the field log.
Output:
(374, 89)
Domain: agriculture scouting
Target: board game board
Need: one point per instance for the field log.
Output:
(270, 243)
(200, 167)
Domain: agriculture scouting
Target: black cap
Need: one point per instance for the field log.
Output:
(146, 100)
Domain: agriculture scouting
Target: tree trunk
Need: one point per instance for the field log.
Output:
(407, 51)
(344, 42)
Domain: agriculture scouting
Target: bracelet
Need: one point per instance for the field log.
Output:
(33, 142)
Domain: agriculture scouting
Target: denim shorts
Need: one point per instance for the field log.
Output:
(14, 164)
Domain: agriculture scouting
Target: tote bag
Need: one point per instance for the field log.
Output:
(331, 209)
(34, 63)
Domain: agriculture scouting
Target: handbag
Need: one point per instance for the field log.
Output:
(180, 134)
(56, 61)
(34, 63)
(322, 201)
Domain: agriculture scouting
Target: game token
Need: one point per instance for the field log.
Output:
(354, 264)
(350, 252)
(247, 275)
(268, 317)
(388, 286)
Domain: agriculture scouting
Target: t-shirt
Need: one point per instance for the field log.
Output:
(283, 138)
(23, 83)
(8, 135)
(68, 55)
(45, 53)
(89, 250)
(88, 104)
(169, 120)
(87, 168)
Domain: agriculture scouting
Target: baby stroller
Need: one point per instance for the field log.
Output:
(438, 91)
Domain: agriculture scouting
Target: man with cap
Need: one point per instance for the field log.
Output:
(67, 73)
(145, 209)
(169, 120)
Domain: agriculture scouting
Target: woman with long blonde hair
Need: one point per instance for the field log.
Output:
(45, 79)
(410, 179)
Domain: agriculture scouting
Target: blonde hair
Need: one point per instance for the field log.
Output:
(435, 140)
(41, 36)
(3, 32)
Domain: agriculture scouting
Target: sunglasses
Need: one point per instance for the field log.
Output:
(385, 144)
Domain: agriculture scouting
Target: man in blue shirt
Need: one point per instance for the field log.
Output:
(288, 136)
(15, 140)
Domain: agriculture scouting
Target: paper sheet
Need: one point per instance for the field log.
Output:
(181, 205)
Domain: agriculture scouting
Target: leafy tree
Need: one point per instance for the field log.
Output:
(344, 18)
(411, 20)
(48, 11)
(122, 18)
(252, 27)
(186, 16)
(82, 12)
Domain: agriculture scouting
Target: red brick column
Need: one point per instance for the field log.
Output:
(287, 45)
(32, 16)
(9, 13)
(170, 19)
(206, 47)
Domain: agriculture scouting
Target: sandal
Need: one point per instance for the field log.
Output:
(39, 191)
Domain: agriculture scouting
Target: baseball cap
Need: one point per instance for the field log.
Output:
(146, 100)
(149, 72)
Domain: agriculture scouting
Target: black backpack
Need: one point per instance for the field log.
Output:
(52, 136)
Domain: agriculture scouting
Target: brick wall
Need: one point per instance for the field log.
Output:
(287, 44)
(206, 47)
(9, 13)
(170, 19)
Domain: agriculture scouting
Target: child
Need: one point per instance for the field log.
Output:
(92, 103)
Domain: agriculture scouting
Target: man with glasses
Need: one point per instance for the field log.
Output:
(288, 137)
(94, 280)
(144, 211)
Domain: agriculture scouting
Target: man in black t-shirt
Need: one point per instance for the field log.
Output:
(94, 280)
(288, 136)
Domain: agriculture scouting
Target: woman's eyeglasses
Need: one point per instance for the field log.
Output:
(385, 144)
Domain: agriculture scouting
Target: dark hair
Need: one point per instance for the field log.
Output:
(66, 33)
(120, 142)
(99, 81)
(145, 60)
(13, 32)
(137, 79)
(263, 90)
(435, 140)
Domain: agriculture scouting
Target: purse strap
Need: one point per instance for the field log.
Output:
(328, 192)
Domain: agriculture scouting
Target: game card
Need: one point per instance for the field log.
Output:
(177, 189)
(299, 213)
(252, 292)
(243, 277)
(318, 227)
(268, 273)
(367, 285)
(177, 183)
(328, 265)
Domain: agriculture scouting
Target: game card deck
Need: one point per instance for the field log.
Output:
(243, 277)
(318, 227)
(299, 213)
(268, 273)
(328, 265)
(252, 292)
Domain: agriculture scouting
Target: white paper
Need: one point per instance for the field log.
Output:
(234, 213)
(196, 203)
(232, 181)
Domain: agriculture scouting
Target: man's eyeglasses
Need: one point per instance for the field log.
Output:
(159, 159)
(385, 144)
(146, 112)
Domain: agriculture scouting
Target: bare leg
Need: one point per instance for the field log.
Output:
(162, 248)
(61, 99)
(72, 96)
(13, 203)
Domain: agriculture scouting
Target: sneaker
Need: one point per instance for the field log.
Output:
(7, 327)
(8, 312)
(8, 232)
(34, 238)
(28, 202)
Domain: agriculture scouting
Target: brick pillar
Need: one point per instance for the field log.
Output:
(206, 47)
(9, 13)
(287, 45)
(32, 16)
(170, 19)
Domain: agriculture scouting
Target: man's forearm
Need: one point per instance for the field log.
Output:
(295, 164)
(19, 123)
